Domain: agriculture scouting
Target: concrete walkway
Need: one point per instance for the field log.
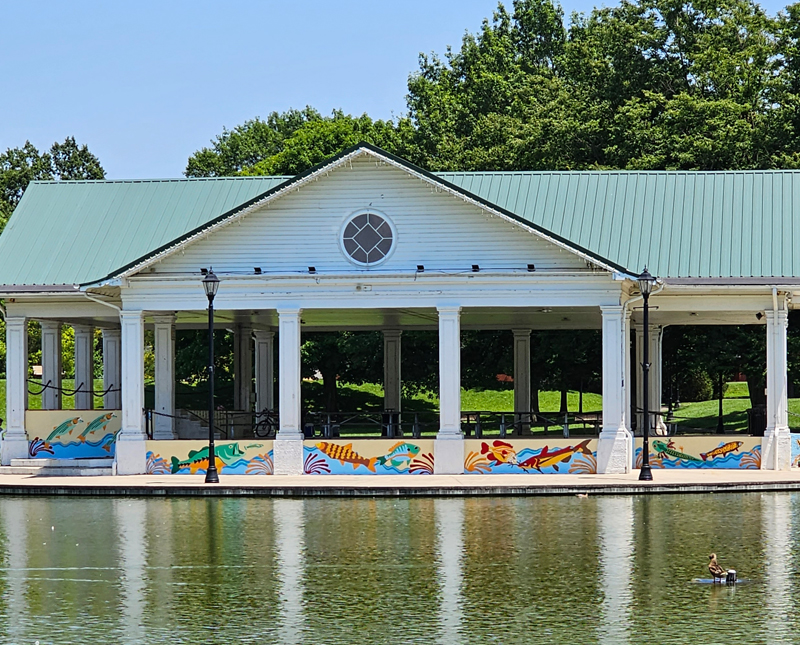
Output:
(665, 481)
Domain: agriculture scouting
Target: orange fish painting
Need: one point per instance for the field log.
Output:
(546, 458)
(499, 452)
(346, 454)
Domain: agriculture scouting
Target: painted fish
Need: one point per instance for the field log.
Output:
(198, 459)
(97, 424)
(731, 446)
(499, 452)
(399, 455)
(63, 429)
(346, 455)
(546, 458)
(667, 449)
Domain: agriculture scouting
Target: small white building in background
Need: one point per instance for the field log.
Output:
(367, 241)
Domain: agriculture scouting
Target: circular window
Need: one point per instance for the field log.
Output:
(367, 238)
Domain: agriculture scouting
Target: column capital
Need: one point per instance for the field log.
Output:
(521, 332)
(111, 332)
(289, 311)
(392, 333)
(448, 310)
(164, 319)
(263, 334)
(780, 317)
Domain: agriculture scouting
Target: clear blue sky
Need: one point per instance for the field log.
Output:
(144, 84)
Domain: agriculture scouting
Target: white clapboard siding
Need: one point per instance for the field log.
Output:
(435, 229)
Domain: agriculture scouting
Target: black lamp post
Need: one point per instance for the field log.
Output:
(646, 283)
(211, 284)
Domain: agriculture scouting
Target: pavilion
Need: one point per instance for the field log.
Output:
(368, 241)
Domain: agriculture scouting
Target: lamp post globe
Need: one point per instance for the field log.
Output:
(646, 283)
(211, 285)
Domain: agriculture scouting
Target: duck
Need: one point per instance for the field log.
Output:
(714, 568)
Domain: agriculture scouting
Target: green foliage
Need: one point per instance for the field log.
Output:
(20, 166)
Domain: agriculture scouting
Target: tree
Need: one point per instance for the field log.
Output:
(20, 166)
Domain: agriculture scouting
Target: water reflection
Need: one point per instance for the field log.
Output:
(777, 522)
(290, 568)
(615, 515)
(131, 520)
(449, 554)
(452, 571)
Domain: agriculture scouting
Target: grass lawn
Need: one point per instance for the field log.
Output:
(701, 415)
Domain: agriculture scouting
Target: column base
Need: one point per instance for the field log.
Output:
(287, 455)
(448, 455)
(13, 447)
(614, 456)
(776, 449)
(130, 454)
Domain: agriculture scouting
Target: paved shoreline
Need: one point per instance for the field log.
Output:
(665, 481)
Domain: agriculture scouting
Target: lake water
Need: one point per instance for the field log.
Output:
(453, 571)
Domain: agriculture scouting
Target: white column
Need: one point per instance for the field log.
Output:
(288, 445)
(265, 387)
(112, 368)
(15, 441)
(290, 571)
(392, 374)
(164, 333)
(51, 364)
(84, 366)
(614, 445)
(522, 375)
(243, 367)
(776, 447)
(615, 523)
(657, 425)
(448, 448)
(131, 520)
(449, 517)
(130, 446)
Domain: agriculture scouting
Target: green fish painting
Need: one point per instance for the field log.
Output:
(198, 459)
(663, 449)
(63, 429)
(399, 455)
(97, 424)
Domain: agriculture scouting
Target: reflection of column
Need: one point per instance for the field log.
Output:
(84, 366)
(449, 514)
(112, 369)
(290, 568)
(15, 523)
(615, 516)
(51, 364)
(131, 516)
(777, 527)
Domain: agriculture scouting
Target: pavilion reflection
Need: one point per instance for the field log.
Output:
(616, 522)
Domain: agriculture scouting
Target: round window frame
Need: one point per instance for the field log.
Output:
(350, 218)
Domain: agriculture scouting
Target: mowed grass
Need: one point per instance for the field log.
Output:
(701, 415)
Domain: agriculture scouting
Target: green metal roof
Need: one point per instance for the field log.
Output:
(74, 232)
(739, 224)
(742, 224)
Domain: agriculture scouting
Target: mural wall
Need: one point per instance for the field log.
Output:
(368, 457)
(795, 450)
(72, 434)
(188, 457)
(701, 452)
(533, 456)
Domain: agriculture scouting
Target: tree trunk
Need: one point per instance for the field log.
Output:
(756, 386)
(563, 409)
(329, 389)
(535, 396)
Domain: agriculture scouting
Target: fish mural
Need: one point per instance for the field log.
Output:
(400, 455)
(190, 457)
(499, 452)
(795, 450)
(369, 457)
(519, 456)
(547, 458)
(702, 452)
(224, 454)
(67, 436)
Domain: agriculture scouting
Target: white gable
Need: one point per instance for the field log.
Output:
(432, 227)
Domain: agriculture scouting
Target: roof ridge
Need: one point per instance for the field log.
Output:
(165, 180)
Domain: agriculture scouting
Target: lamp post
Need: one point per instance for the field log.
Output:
(646, 282)
(211, 284)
